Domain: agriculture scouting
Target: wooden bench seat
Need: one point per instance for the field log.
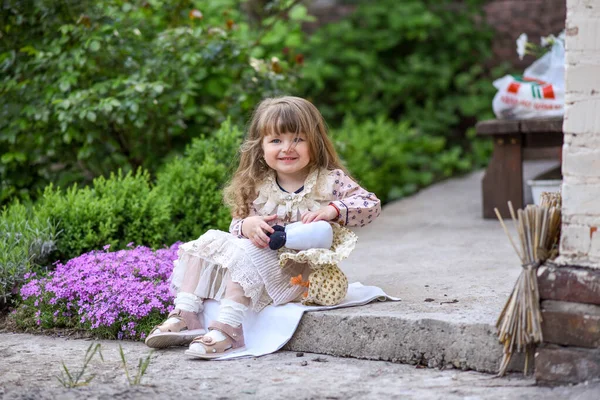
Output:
(503, 180)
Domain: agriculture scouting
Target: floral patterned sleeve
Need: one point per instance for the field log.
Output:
(235, 227)
(357, 206)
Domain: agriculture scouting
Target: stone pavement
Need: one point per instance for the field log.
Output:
(453, 270)
(29, 365)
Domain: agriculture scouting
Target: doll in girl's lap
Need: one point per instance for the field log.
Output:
(288, 172)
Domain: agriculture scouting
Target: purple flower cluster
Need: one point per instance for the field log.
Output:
(108, 290)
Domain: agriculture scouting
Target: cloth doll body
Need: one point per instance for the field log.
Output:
(300, 236)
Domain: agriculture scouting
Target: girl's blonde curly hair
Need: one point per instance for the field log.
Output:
(276, 116)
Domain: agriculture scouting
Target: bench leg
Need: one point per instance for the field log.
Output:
(503, 180)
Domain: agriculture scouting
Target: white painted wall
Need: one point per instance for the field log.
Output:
(580, 241)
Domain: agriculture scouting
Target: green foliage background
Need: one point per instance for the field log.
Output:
(394, 159)
(87, 87)
(420, 61)
(193, 184)
(120, 120)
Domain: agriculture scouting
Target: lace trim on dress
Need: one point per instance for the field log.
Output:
(217, 254)
(288, 206)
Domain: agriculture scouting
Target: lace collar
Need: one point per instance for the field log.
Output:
(288, 206)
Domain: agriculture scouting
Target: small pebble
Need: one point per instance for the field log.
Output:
(429, 300)
(304, 363)
(299, 354)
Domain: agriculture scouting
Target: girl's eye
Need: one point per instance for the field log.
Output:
(275, 141)
(298, 139)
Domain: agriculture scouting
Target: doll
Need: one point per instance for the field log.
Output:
(322, 245)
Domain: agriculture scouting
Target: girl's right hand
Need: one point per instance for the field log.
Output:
(254, 228)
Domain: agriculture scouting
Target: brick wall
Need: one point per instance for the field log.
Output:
(580, 242)
(570, 291)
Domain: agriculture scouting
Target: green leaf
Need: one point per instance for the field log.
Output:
(294, 40)
(183, 98)
(64, 86)
(29, 50)
(298, 13)
(95, 46)
(91, 116)
(15, 156)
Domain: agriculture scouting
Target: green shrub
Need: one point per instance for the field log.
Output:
(26, 243)
(415, 60)
(185, 201)
(112, 211)
(194, 183)
(393, 159)
(87, 87)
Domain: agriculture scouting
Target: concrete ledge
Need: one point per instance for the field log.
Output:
(429, 342)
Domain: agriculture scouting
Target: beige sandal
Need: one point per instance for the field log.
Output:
(178, 333)
(233, 342)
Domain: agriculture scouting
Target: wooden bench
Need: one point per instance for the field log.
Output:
(513, 140)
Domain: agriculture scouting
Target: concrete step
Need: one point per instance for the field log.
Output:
(371, 332)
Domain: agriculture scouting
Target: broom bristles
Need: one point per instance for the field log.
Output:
(519, 323)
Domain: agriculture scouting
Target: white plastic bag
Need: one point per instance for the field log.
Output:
(539, 93)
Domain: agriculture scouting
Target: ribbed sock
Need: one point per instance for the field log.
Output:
(231, 313)
(187, 302)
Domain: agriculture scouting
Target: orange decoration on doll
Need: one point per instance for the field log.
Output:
(297, 280)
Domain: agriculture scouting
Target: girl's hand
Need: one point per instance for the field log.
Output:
(254, 228)
(326, 213)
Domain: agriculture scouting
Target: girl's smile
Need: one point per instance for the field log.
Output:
(288, 159)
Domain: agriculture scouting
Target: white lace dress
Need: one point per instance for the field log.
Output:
(220, 256)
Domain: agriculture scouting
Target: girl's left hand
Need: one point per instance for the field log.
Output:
(326, 213)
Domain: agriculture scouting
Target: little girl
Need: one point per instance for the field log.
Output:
(288, 172)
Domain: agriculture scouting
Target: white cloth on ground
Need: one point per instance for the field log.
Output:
(269, 330)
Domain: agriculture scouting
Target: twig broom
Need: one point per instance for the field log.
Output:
(519, 323)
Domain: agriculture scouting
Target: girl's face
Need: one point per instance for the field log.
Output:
(288, 154)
